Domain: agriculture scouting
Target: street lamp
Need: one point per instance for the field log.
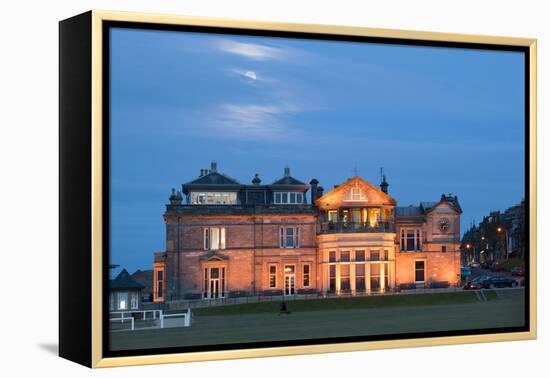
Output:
(505, 243)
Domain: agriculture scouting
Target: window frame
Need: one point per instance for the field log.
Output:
(284, 198)
(423, 271)
(293, 237)
(272, 276)
(218, 198)
(416, 238)
(306, 275)
(208, 238)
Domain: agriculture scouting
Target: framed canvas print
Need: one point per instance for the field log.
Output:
(235, 189)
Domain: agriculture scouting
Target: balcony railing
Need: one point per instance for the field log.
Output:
(345, 227)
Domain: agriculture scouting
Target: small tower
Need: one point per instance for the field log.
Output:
(314, 184)
(384, 184)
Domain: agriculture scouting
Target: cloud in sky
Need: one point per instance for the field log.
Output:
(253, 51)
(253, 121)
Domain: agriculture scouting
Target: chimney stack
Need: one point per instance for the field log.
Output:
(320, 190)
(384, 184)
(314, 189)
(213, 167)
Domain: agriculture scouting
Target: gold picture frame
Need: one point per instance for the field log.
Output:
(92, 25)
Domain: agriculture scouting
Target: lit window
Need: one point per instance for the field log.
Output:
(306, 275)
(272, 276)
(214, 238)
(122, 301)
(213, 198)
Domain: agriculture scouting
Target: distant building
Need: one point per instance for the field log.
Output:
(145, 278)
(498, 236)
(225, 239)
(124, 293)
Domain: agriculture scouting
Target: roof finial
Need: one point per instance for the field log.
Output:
(256, 180)
(287, 171)
(355, 171)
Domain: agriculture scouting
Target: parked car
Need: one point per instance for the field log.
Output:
(518, 271)
(465, 272)
(477, 283)
(500, 282)
(486, 265)
(475, 264)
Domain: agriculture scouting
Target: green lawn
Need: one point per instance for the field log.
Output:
(331, 318)
(348, 303)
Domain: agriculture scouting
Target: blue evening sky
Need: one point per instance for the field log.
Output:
(438, 120)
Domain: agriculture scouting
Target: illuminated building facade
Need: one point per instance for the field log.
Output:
(227, 239)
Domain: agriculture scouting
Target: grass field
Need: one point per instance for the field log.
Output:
(332, 318)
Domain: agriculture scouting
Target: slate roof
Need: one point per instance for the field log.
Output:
(408, 210)
(124, 281)
(145, 278)
(214, 178)
(427, 205)
(288, 180)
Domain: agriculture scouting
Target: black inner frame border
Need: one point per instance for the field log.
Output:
(107, 25)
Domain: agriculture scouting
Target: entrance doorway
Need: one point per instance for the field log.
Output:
(290, 280)
(214, 282)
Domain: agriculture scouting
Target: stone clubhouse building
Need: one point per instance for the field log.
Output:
(227, 239)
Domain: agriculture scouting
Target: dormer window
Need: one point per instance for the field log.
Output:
(356, 194)
(213, 198)
(292, 198)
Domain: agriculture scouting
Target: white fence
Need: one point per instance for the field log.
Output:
(155, 313)
(157, 319)
(122, 319)
(186, 319)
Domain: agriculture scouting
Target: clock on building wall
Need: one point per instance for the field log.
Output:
(444, 225)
